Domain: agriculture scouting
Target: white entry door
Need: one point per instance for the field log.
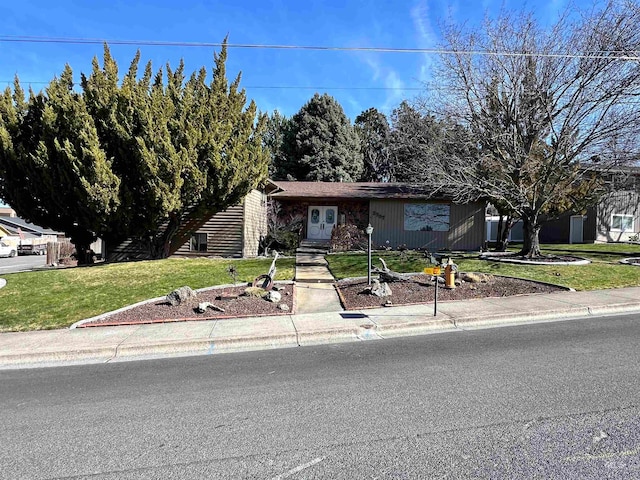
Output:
(576, 229)
(321, 221)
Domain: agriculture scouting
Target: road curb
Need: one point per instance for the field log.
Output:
(363, 332)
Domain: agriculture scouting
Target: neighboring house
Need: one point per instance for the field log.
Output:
(234, 232)
(400, 214)
(18, 228)
(6, 211)
(616, 218)
(516, 233)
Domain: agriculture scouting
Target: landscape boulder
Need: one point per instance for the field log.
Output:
(273, 296)
(380, 289)
(180, 295)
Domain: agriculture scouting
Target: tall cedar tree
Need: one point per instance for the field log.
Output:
(53, 170)
(322, 145)
(276, 135)
(172, 152)
(373, 129)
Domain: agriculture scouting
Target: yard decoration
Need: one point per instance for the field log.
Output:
(203, 306)
(266, 281)
(387, 275)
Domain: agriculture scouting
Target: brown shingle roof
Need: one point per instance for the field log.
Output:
(357, 190)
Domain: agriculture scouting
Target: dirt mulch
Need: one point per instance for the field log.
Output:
(163, 312)
(420, 289)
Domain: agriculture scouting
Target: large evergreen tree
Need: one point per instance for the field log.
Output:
(53, 171)
(171, 152)
(373, 129)
(275, 140)
(323, 145)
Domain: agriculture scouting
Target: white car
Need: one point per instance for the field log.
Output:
(7, 250)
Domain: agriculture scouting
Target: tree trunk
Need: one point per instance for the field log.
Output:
(82, 241)
(160, 245)
(531, 230)
(504, 227)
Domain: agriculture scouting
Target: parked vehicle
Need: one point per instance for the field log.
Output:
(7, 250)
(29, 249)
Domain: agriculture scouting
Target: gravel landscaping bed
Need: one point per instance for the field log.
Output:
(420, 289)
(162, 312)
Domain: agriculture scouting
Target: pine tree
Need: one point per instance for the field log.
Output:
(323, 145)
(373, 129)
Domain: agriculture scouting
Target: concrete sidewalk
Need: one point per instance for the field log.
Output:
(107, 344)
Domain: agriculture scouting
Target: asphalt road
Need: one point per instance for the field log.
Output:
(554, 400)
(21, 263)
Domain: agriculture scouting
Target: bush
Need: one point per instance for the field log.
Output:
(347, 237)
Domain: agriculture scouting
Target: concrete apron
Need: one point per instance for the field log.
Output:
(316, 298)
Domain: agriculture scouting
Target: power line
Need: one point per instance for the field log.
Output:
(269, 87)
(620, 55)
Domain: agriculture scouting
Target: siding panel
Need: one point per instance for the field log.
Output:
(622, 202)
(255, 222)
(224, 234)
(466, 226)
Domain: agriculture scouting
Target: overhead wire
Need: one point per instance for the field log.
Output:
(619, 55)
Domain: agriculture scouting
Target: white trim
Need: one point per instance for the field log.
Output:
(633, 223)
(489, 219)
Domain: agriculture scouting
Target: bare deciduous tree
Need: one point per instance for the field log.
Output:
(549, 109)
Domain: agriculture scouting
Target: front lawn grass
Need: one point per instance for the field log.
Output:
(603, 272)
(58, 298)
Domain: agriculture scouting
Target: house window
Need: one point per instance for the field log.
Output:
(199, 242)
(426, 217)
(622, 222)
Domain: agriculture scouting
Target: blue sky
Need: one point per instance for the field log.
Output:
(275, 79)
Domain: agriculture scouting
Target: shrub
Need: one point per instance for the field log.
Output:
(347, 237)
(283, 233)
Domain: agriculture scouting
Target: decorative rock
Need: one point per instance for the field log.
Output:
(284, 307)
(180, 295)
(202, 307)
(255, 292)
(473, 277)
(380, 289)
(388, 303)
(277, 288)
(273, 296)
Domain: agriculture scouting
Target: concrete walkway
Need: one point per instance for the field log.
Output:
(315, 292)
(108, 344)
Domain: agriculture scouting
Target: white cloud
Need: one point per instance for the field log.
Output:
(426, 36)
(389, 78)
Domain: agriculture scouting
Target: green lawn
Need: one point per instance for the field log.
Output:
(57, 298)
(603, 272)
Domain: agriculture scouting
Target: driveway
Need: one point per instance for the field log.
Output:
(21, 263)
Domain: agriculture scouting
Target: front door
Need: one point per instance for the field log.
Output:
(321, 222)
(576, 229)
